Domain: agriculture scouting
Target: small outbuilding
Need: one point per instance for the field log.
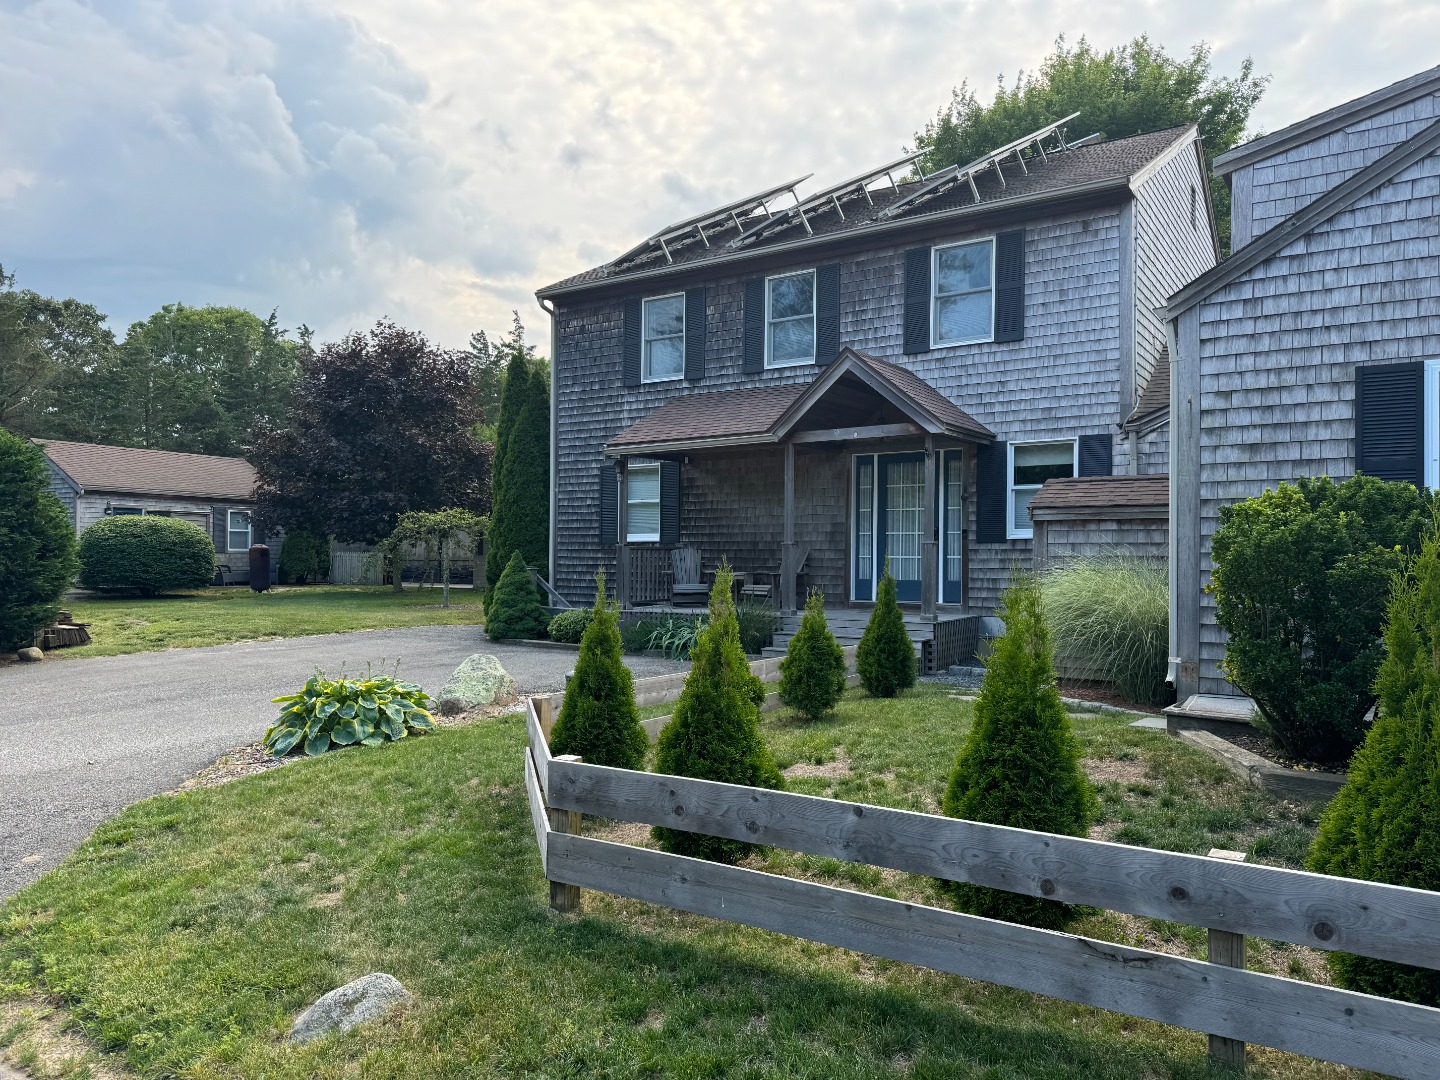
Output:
(1075, 516)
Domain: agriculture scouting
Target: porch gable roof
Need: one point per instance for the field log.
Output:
(762, 415)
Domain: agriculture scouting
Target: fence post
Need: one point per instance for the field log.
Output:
(1227, 949)
(564, 897)
(545, 712)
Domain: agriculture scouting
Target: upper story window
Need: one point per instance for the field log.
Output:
(642, 507)
(663, 350)
(963, 302)
(238, 530)
(790, 319)
(1031, 464)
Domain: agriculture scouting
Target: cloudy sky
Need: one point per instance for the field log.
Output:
(436, 161)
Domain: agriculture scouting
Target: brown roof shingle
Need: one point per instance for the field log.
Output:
(720, 414)
(1155, 398)
(927, 397)
(152, 472)
(1098, 492)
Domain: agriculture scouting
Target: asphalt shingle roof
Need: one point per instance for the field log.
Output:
(152, 472)
(1155, 398)
(1095, 492)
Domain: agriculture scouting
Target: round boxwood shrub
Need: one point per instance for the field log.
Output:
(570, 626)
(37, 544)
(149, 555)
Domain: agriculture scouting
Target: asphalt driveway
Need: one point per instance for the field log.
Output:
(82, 739)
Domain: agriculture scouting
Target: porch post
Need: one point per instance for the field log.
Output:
(787, 547)
(622, 545)
(929, 549)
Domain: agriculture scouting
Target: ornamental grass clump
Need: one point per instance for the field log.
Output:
(812, 675)
(715, 732)
(516, 611)
(1020, 765)
(599, 720)
(1109, 616)
(1384, 824)
(886, 655)
(327, 713)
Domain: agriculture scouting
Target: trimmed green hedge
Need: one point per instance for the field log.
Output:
(147, 554)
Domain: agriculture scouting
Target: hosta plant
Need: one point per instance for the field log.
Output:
(339, 712)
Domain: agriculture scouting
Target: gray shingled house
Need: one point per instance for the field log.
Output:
(890, 368)
(1315, 348)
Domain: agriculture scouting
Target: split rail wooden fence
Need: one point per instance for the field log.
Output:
(1233, 1005)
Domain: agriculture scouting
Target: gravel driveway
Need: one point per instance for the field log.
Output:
(82, 739)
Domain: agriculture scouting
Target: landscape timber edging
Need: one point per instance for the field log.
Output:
(1275, 780)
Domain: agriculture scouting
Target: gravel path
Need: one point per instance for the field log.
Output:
(82, 739)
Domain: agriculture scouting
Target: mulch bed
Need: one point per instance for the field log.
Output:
(1104, 694)
(1257, 743)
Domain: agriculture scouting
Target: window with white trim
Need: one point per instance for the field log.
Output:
(238, 530)
(1432, 424)
(790, 319)
(662, 350)
(642, 507)
(962, 300)
(1030, 465)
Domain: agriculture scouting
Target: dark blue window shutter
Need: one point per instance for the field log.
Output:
(1390, 421)
(670, 502)
(754, 326)
(609, 505)
(219, 527)
(1095, 455)
(695, 325)
(1010, 286)
(630, 335)
(827, 314)
(917, 300)
(991, 490)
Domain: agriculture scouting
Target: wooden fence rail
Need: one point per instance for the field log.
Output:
(1383, 921)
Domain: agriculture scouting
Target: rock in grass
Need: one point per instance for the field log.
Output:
(30, 655)
(355, 1003)
(479, 680)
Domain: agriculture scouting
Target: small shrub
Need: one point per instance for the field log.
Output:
(1110, 619)
(758, 622)
(886, 655)
(598, 719)
(516, 611)
(37, 544)
(676, 635)
(340, 712)
(812, 675)
(636, 635)
(147, 554)
(304, 557)
(715, 732)
(570, 626)
(1384, 824)
(1020, 765)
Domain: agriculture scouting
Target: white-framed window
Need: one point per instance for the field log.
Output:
(1029, 466)
(238, 530)
(126, 511)
(962, 293)
(642, 508)
(662, 349)
(1432, 424)
(790, 319)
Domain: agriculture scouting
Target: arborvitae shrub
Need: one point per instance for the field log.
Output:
(37, 544)
(812, 675)
(715, 732)
(886, 656)
(1384, 824)
(598, 719)
(516, 611)
(1020, 765)
(147, 554)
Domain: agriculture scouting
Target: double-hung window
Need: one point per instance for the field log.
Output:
(238, 530)
(642, 507)
(1031, 464)
(663, 348)
(790, 319)
(962, 304)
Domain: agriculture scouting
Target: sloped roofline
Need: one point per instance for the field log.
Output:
(1322, 124)
(1419, 146)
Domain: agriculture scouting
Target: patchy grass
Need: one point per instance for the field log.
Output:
(222, 615)
(191, 929)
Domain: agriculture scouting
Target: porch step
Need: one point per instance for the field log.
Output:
(848, 627)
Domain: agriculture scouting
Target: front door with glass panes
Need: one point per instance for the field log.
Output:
(889, 514)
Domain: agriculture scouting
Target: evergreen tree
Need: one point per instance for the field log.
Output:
(516, 611)
(512, 402)
(715, 732)
(812, 675)
(599, 720)
(886, 656)
(1384, 824)
(1020, 765)
(37, 544)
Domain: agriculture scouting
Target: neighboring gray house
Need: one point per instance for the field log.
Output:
(1315, 348)
(885, 369)
(213, 493)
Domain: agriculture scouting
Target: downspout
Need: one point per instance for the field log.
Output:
(554, 432)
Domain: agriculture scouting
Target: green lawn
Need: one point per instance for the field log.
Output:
(191, 929)
(221, 615)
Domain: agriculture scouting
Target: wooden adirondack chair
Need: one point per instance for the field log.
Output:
(687, 584)
(765, 585)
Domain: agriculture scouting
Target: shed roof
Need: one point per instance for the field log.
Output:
(1154, 401)
(1107, 493)
(125, 469)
